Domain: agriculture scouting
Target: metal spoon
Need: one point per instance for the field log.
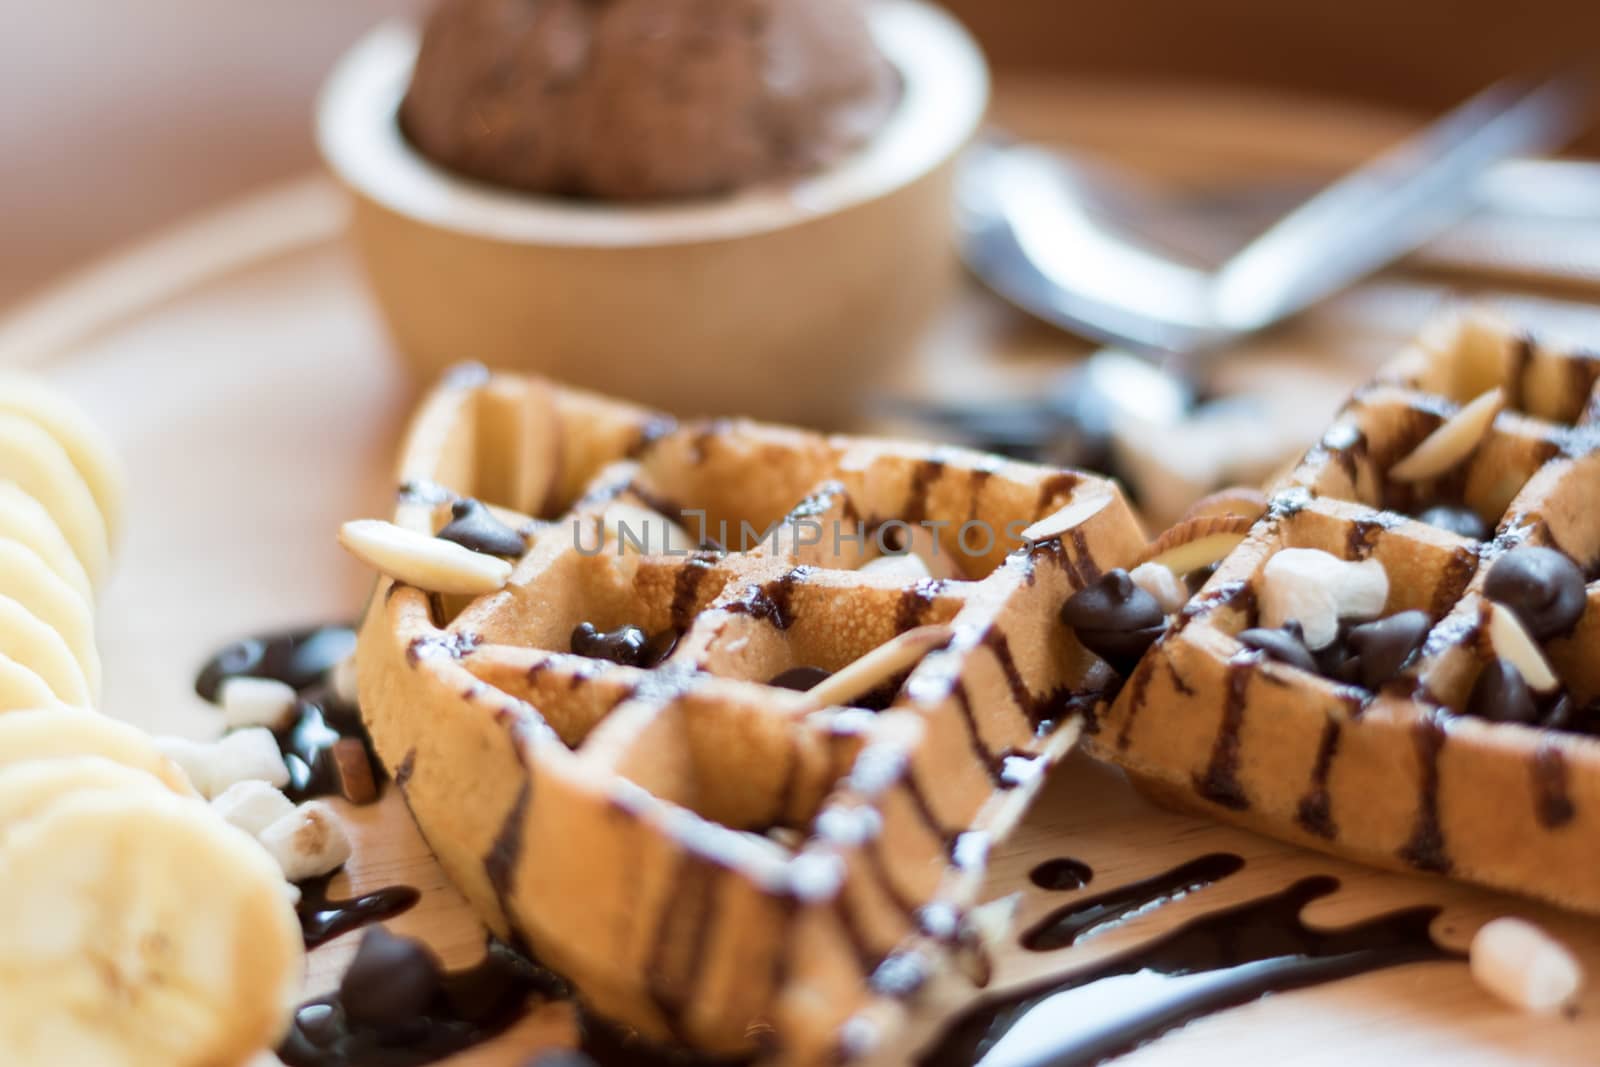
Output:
(1028, 232)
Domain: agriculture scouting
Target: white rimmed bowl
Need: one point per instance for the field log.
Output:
(785, 301)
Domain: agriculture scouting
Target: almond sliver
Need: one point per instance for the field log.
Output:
(1198, 542)
(425, 562)
(878, 666)
(1512, 644)
(1067, 518)
(1453, 441)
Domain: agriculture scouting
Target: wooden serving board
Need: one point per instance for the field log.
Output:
(242, 371)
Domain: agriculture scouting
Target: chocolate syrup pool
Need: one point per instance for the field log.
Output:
(1216, 962)
(323, 918)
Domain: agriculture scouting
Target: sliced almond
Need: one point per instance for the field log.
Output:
(878, 666)
(1512, 644)
(1198, 542)
(1453, 441)
(1239, 500)
(1075, 513)
(425, 562)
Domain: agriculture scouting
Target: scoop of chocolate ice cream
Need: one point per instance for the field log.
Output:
(644, 99)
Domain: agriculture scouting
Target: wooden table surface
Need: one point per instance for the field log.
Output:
(268, 407)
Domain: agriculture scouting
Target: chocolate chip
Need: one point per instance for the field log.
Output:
(1463, 522)
(1561, 713)
(1501, 695)
(1333, 659)
(319, 1023)
(474, 526)
(391, 981)
(660, 647)
(1115, 619)
(1381, 648)
(1285, 646)
(625, 645)
(799, 678)
(1541, 586)
(1349, 672)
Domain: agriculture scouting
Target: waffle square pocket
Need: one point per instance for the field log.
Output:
(730, 745)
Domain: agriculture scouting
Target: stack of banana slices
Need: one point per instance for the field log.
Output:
(136, 926)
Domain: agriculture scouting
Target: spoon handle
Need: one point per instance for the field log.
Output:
(1396, 202)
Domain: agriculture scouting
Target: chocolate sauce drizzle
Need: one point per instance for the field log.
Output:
(1315, 814)
(1061, 874)
(310, 743)
(323, 918)
(1426, 848)
(916, 601)
(298, 658)
(1073, 922)
(320, 723)
(771, 602)
(1220, 783)
(470, 1007)
(1552, 802)
(1247, 951)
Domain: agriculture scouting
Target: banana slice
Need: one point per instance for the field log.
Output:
(86, 445)
(57, 732)
(28, 788)
(25, 520)
(34, 460)
(139, 931)
(26, 639)
(25, 578)
(23, 690)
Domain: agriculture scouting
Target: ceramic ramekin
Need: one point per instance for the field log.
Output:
(785, 301)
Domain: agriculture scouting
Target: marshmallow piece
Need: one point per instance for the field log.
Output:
(244, 755)
(1161, 583)
(252, 806)
(1524, 966)
(1317, 589)
(309, 842)
(240, 756)
(909, 567)
(1362, 590)
(250, 701)
(192, 757)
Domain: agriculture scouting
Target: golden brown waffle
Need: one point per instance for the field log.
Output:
(1400, 777)
(712, 859)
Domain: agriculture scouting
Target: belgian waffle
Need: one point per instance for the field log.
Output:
(713, 859)
(1401, 776)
